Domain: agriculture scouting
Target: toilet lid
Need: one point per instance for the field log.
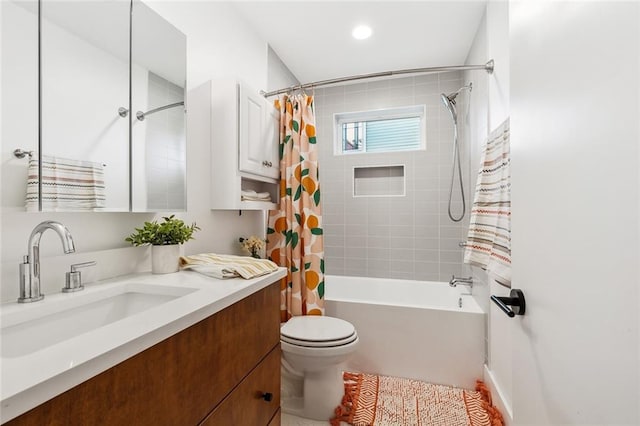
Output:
(317, 331)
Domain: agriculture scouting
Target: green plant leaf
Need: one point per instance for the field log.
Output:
(271, 230)
(316, 231)
(316, 197)
(288, 191)
(298, 218)
(307, 265)
(295, 126)
(294, 240)
(322, 265)
(170, 231)
(312, 139)
(298, 193)
(321, 290)
(294, 269)
(305, 172)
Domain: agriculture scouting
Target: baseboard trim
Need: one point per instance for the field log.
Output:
(498, 397)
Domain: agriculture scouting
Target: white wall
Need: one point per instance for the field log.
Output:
(278, 75)
(19, 98)
(219, 44)
(575, 186)
(489, 108)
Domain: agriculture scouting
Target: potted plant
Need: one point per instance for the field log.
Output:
(165, 239)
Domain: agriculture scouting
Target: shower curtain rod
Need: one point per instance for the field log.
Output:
(141, 115)
(488, 67)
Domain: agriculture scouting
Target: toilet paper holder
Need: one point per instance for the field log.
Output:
(515, 300)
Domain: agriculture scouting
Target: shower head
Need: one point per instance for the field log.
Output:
(449, 101)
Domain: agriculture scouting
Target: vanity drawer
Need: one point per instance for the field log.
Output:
(246, 405)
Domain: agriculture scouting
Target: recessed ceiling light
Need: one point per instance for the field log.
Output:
(361, 32)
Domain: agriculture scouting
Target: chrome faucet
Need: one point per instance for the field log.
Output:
(464, 281)
(30, 267)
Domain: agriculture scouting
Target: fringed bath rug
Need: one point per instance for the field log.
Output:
(372, 400)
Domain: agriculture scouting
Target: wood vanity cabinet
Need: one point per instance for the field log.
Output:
(223, 370)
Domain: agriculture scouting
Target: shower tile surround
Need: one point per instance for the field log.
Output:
(410, 236)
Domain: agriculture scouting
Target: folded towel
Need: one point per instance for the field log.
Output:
(246, 198)
(215, 271)
(250, 195)
(227, 266)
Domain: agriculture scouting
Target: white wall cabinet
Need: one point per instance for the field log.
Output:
(258, 134)
(242, 129)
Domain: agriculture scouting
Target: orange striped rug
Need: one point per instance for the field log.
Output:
(372, 400)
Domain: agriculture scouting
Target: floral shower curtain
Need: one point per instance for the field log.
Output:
(294, 233)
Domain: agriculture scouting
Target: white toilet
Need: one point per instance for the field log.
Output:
(313, 347)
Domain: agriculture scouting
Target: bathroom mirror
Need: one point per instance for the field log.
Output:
(158, 73)
(99, 60)
(84, 77)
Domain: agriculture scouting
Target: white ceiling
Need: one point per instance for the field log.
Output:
(313, 38)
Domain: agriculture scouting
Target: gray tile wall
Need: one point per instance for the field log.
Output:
(165, 147)
(408, 237)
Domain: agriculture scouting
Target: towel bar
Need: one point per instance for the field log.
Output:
(21, 153)
(516, 300)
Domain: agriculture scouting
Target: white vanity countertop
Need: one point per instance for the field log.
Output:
(31, 379)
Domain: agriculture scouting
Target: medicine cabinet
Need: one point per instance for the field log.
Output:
(111, 82)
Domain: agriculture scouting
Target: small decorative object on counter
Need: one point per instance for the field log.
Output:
(253, 245)
(166, 239)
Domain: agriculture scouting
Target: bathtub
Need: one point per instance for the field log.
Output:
(416, 329)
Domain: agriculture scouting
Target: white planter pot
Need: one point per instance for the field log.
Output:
(165, 259)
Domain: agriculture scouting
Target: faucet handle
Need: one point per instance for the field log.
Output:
(73, 279)
(76, 266)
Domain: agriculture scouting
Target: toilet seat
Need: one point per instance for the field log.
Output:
(323, 344)
(317, 332)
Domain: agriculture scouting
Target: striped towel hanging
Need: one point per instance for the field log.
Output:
(67, 185)
(489, 237)
(227, 266)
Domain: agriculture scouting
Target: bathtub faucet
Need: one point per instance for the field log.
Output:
(464, 281)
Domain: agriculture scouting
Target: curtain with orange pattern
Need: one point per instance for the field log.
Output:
(294, 233)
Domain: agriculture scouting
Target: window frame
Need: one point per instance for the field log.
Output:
(411, 111)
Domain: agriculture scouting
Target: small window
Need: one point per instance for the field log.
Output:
(386, 130)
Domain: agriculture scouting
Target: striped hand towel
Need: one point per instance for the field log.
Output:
(489, 237)
(227, 266)
(67, 185)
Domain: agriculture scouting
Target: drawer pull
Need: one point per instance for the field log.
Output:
(267, 396)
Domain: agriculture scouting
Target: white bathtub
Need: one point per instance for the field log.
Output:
(413, 329)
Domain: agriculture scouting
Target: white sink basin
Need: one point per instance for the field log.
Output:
(30, 328)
